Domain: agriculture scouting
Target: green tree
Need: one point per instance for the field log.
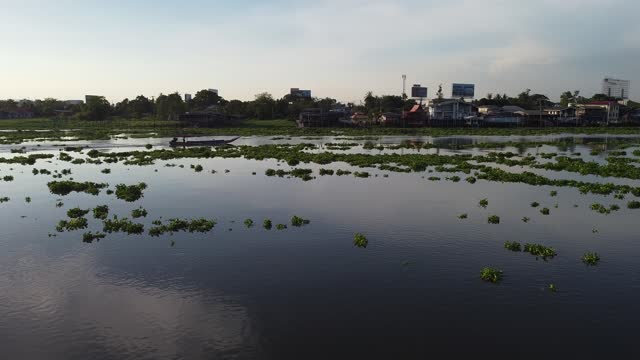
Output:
(264, 106)
(204, 99)
(96, 108)
(170, 107)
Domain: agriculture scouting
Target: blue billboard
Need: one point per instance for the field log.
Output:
(418, 92)
(467, 91)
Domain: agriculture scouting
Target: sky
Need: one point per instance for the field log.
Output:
(337, 48)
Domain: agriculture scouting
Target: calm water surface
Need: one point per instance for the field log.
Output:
(308, 293)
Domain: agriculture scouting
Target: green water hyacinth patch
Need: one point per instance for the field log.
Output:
(298, 221)
(281, 226)
(359, 240)
(139, 212)
(90, 237)
(633, 205)
(494, 219)
(66, 187)
(463, 216)
(545, 211)
(491, 275)
(201, 225)
(267, 224)
(483, 203)
(591, 259)
(541, 251)
(248, 223)
(77, 213)
(513, 246)
(130, 193)
(72, 225)
(101, 212)
(125, 225)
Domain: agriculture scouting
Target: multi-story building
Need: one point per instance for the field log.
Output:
(616, 88)
(187, 97)
(295, 92)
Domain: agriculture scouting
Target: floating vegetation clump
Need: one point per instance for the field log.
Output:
(540, 251)
(125, 225)
(526, 219)
(362, 174)
(483, 203)
(201, 225)
(106, 171)
(545, 211)
(8, 178)
(553, 193)
(304, 174)
(139, 212)
(494, 219)
(72, 225)
(591, 258)
(27, 199)
(298, 221)
(471, 180)
(463, 216)
(513, 246)
(248, 223)
(326, 172)
(359, 240)
(491, 275)
(148, 146)
(130, 193)
(633, 205)
(77, 213)
(198, 168)
(267, 224)
(101, 212)
(4, 199)
(66, 187)
(454, 178)
(603, 209)
(90, 237)
(434, 178)
(281, 226)
(553, 288)
(343, 172)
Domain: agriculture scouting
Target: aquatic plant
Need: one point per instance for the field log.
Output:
(72, 225)
(8, 178)
(59, 204)
(248, 223)
(454, 178)
(116, 225)
(106, 171)
(493, 219)
(540, 251)
(138, 213)
(434, 178)
(513, 246)
(101, 212)
(471, 180)
(148, 146)
(66, 187)
(130, 193)
(267, 224)
(553, 288)
(198, 168)
(281, 226)
(325, 172)
(4, 199)
(77, 213)
(484, 203)
(359, 240)
(462, 216)
(201, 225)
(633, 205)
(526, 219)
(491, 275)
(90, 237)
(343, 172)
(27, 199)
(591, 258)
(545, 211)
(362, 174)
(553, 193)
(298, 221)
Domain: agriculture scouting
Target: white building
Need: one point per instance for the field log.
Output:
(616, 88)
(187, 97)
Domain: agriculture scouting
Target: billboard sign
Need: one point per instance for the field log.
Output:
(418, 91)
(466, 91)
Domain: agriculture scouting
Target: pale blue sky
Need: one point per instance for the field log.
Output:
(339, 48)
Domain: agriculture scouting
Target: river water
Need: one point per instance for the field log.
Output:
(308, 293)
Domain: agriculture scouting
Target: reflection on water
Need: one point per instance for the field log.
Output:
(309, 293)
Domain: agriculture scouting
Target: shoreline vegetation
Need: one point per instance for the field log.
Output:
(17, 131)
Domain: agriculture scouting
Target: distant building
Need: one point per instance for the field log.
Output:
(187, 97)
(88, 98)
(454, 109)
(602, 112)
(303, 94)
(488, 109)
(616, 88)
(73, 102)
(215, 91)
